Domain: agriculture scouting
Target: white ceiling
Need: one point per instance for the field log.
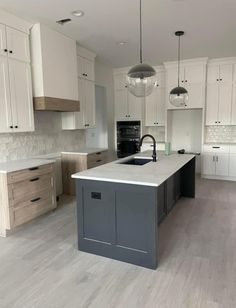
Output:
(210, 26)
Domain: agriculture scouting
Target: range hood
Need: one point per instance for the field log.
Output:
(55, 104)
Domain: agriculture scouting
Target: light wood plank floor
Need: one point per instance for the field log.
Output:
(41, 266)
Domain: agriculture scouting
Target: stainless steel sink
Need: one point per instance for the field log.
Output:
(136, 161)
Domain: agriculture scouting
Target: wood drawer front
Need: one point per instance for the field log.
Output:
(25, 174)
(98, 158)
(30, 209)
(23, 190)
(96, 164)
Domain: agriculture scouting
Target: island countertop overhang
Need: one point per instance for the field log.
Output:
(150, 174)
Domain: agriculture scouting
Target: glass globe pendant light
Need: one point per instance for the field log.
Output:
(179, 95)
(141, 77)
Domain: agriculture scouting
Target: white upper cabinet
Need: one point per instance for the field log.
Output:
(18, 45)
(54, 64)
(233, 111)
(127, 106)
(155, 103)
(3, 40)
(5, 103)
(219, 93)
(192, 77)
(15, 81)
(85, 68)
(86, 117)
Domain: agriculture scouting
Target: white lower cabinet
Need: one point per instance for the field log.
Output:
(232, 165)
(216, 164)
(86, 118)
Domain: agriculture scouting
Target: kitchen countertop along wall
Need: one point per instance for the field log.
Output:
(47, 138)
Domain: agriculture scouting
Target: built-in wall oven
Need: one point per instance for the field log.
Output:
(128, 137)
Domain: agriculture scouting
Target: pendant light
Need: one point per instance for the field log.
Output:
(179, 95)
(141, 77)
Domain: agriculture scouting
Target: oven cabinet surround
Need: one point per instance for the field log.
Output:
(192, 77)
(86, 117)
(16, 101)
(155, 103)
(27, 191)
(127, 106)
(220, 100)
(120, 220)
(219, 162)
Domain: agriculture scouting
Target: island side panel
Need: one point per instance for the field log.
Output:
(118, 221)
(188, 179)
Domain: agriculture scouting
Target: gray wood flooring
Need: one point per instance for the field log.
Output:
(41, 266)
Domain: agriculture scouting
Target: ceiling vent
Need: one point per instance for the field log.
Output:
(63, 21)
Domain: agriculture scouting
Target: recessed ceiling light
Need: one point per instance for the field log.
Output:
(78, 13)
(122, 43)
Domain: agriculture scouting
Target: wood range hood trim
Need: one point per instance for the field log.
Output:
(45, 103)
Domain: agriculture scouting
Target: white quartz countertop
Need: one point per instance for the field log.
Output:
(85, 151)
(16, 165)
(150, 174)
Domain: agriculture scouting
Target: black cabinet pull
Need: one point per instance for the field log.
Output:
(34, 200)
(33, 168)
(98, 161)
(34, 179)
(98, 153)
(216, 147)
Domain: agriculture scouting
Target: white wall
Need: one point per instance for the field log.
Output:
(104, 78)
(47, 138)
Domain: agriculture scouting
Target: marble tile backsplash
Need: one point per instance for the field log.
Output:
(48, 137)
(157, 132)
(220, 134)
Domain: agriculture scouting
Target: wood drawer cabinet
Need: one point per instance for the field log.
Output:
(25, 195)
(76, 162)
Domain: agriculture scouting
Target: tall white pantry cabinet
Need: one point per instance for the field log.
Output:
(16, 103)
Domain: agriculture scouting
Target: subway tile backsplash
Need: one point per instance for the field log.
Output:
(220, 134)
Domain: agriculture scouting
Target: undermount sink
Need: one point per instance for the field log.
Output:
(136, 161)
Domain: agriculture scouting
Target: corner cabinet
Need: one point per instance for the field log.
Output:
(86, 117)
(155, 103)
(192, 78)
(16, 101)
(127, 106)
(219, 93)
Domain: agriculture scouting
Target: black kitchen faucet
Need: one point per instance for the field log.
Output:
(154, 153)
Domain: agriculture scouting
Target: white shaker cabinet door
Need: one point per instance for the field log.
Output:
(195, 95)
(194, 74)
(213, 74)
(121, 104)
(161, 103)
(90, 108)
(18, 45)
(232, 165)
(225, 101)
(151, 109)
(226, 73)
(5, 104)
(212, 104)
(233, 113)
(3, 41)
(209, 165)
(222, 164)
(135, 106)
(21, 96)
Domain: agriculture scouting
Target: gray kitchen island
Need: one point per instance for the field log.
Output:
(120, 204)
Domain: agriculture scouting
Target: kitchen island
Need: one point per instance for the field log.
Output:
(120, 205)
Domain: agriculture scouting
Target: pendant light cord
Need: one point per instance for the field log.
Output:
(140, 32)
(178, 60)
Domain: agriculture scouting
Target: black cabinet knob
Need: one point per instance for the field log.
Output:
(11, 126)
(220, 79)
(16, 126)
(11, 51)
(186, 80)
(5, 50)
(217, 79)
